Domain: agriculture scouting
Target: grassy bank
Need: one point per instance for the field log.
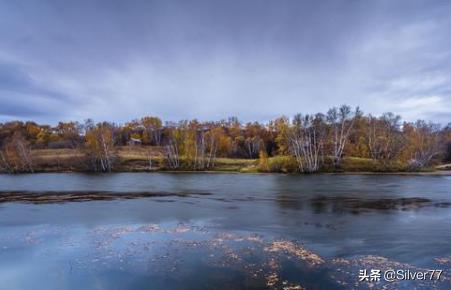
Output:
(287, 164)
(127, 159)
(140, 158)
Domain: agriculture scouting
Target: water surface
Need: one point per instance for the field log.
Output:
(248, 233)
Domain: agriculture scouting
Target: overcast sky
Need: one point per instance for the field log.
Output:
(120, 60)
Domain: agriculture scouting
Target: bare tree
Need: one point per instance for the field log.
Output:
(423, 141)
(200, 146)
(5, 165)
(307, 141)
(149, 158)
(213, 136)
(385, 140)
(206, 146)
(253, 145)
(172, 154)
(172, 148)
(15, 155)
(100, 147)
(341, 122)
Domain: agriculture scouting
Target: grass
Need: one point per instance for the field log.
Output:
(136, 158)
(237, 161)
(56, 153)
(355, 164)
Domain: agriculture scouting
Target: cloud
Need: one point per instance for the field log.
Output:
(23, 95)
(112, 60)
(423, 106)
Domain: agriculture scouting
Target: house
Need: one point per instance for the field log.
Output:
(134, 141)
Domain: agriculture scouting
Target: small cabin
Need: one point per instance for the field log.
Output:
(134, 141)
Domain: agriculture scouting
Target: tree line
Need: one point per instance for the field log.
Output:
(310, 139)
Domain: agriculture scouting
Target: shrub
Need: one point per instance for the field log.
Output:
(263, 163)
(283, 164)
(355, 164)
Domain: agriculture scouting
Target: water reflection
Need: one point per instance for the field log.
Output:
(402, 218)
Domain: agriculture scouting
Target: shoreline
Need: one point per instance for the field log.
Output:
(407, 173)
(136, 159)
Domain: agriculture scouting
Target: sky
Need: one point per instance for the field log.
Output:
(253, 59)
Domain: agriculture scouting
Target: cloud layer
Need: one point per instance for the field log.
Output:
(119, 60)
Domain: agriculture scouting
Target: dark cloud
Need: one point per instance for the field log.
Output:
(23, 96)
(16, 107)
(119, 60)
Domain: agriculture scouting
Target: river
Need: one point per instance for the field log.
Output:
(224, 231)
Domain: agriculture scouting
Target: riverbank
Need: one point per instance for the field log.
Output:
(152, 159)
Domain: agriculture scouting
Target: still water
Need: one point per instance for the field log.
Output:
(230, 231)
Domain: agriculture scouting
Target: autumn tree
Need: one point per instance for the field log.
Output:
(153, 128)
(32, 131)
(341, 121)
(15, 156)
(99, 146)
(214, 136)
(253, 139)
(423, 142)
(280, 126)
(357, 145)
(69, 134)
(385, 140)
(43, 137)
(263, 162)
(174, 147)
(224, 142)
(197, 145)
(201, 144)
